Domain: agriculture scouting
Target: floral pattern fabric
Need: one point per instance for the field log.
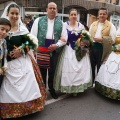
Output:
(107, 81)
(107, 91)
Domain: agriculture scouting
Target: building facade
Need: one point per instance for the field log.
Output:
(87, 9)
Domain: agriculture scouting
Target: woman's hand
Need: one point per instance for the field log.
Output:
(62, 39)
(5, 69)
(15, 53)
(1, 71)
(98, 39)
(88, 51)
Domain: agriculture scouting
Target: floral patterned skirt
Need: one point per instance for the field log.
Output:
(107, 91)
(107, 81)
(14, 110)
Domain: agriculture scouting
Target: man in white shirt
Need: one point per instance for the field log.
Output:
(98, 30)
(51, 34)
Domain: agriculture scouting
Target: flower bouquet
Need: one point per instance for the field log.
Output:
(29, 42)
(116, 46)
(82, 45)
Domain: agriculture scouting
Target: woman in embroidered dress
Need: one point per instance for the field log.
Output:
(72, 75)
(22, 91)
(107, 82)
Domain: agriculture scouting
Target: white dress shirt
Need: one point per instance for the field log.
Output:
(98, 34)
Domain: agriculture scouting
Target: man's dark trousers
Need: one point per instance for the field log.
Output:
(51, 71)
(95, 58)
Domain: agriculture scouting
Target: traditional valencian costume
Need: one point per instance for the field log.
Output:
(73, 74)
(49, 31)
(101, 50)
(22, 91)
(107, 81)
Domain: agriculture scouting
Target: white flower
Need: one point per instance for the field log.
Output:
(34, 39)
(85, 31)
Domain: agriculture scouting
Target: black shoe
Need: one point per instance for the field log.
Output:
(53, 94)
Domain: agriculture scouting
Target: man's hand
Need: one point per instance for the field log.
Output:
(52, 47)
(98, 39)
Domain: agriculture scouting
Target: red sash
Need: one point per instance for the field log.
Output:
(43, 57)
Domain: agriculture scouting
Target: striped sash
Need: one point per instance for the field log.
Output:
(43, 57)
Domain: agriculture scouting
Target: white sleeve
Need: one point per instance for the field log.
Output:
(90, 29)
(113, 33)
(81, 26)
(5, 63)
(5, 54)
(34, 29)
(118, 32)
(64, 34)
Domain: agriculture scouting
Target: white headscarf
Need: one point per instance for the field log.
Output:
(21, 27)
